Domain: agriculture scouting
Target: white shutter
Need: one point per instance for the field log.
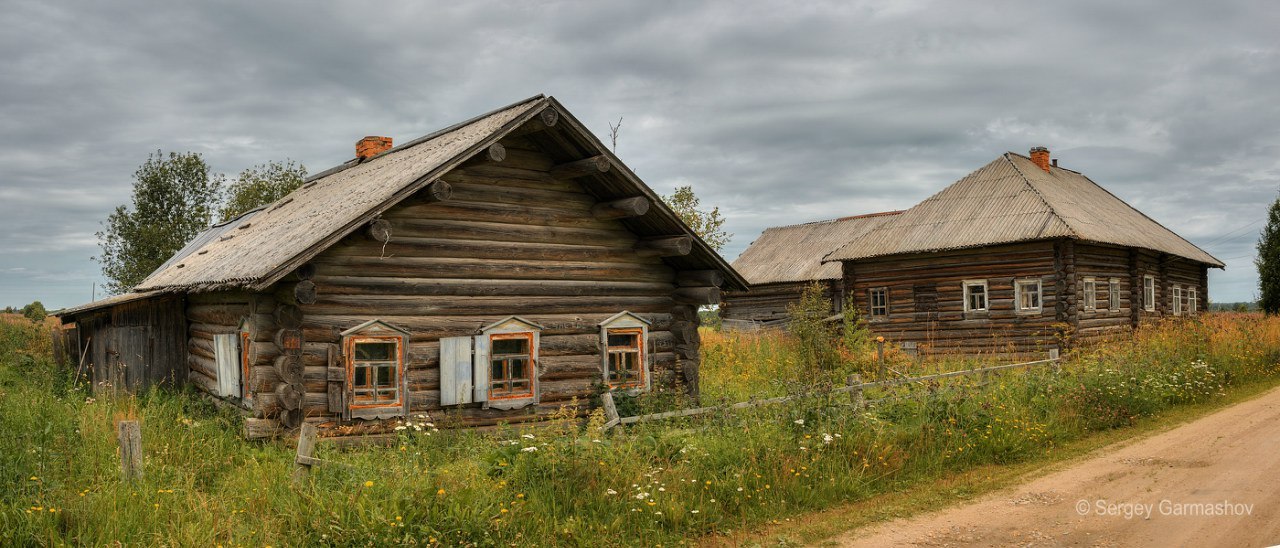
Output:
(481, 374)
(455, 370)
(228, 360)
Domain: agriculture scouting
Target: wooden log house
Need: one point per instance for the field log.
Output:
(1019, 256)
(488, 272)
(785, 260)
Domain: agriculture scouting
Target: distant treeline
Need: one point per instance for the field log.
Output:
(1235, 307)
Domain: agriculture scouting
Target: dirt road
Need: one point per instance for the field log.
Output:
(1212, 482)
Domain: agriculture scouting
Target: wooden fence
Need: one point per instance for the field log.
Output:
(855, 387)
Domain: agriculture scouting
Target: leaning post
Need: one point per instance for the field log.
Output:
(129, 434)
(855, 395)
(306, 449)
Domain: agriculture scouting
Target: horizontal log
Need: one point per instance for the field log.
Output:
(203, 365)
(700, 278)
(594, 165)
(374, 306)
(261, 429)
(380, 230)
(619, 252)
(535, 197)
(204, 382)
(461, 287)
(434, 267)
(496, 152)
(431, 328)
(635, 206)
(557, 215)
(665, 246)
(697, 295)
(227, 314)
(289, 395)
(506, 232)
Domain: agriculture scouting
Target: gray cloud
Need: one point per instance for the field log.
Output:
(778, 113)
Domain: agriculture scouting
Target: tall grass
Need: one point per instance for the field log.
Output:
(568, 484)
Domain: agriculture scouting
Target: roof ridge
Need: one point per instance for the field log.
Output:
(1027, 181)
(839, 219)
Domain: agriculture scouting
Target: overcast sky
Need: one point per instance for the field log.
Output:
(778, 113)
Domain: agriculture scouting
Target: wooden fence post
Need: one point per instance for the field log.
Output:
(1057, 362)
(880, 355)
(129, 434)
(306, 448)
(855, 395)
(610, 410)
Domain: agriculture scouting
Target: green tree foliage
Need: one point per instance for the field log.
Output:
(174, 199)
(816, 336)
(1268, 262)
(261, 185)
(35, 311)
(705, 223)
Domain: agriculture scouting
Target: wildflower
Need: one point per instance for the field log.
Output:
(401, 427)
(527, 436)
(440, 493)
(826, 438)
(693, 511)
(800, 422)
(503, 511)
(368, 483)
(611, 492)
(642, 496)
(530, 449)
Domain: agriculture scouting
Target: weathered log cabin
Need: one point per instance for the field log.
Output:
(1019, 256)
(784, 261)
(489, 272)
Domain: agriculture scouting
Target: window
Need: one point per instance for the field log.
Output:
(510, 365)
(625, 361)
(1149, 293)
(1177, 300)
(373, 353)
(624, 350)
(227, 359)
(1027, 295)
(375, 368)
(1113, 293)
(879, 301)
(1192, 304)
(975, 296)
(1090, 294)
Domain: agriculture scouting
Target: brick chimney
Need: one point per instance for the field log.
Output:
(372, 146)
(1040, 156)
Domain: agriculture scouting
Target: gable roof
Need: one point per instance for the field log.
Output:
(793, 253)
(258, 249)
(1012, 200)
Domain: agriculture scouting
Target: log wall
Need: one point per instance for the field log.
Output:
(934, 281)
(769, 302)
(134, 345)
(512, 240)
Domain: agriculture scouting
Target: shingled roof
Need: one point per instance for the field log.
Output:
(793, 253)
(258, 249)
(1013, 200)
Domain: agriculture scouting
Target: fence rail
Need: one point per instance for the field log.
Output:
(854, 387)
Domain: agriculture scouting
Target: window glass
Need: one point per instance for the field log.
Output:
(1090, 294)
(374, 375)
(975, 296)
(1028, 294)
(879, 298)
(510, 373)
(1113, 294)
(1149, 292)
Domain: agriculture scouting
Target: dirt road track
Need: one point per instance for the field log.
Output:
(1231, 456)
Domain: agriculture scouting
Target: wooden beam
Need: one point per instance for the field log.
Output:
(305, 292)
(549, 116)
(580, 168)
(532, 126)
(620, 209)
(440, 191)
(380, 230)
(496, 152)
(697, 295)
(698, 278)
(664, 246)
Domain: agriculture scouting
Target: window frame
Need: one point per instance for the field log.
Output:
(349, 344)
(1018, 285)
(639, 351)
(1113, 294)
(530, 375)
(1176, 297)
(986, 296)
(1149, 293)
(871, 303)
(1193, 298)
(1089, 286)
(629, 323)
(482, 363)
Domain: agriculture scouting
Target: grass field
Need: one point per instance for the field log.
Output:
(568, 484)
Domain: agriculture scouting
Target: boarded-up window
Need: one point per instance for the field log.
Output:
(926, 298)
(455, 370)
(226, 352)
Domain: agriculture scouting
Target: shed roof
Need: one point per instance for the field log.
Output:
(261, 247)
(793, 253)
(1013, 200)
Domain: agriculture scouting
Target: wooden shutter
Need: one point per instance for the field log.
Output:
(336, 379)
(481, 375)
(226, 353)
(455, 371)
